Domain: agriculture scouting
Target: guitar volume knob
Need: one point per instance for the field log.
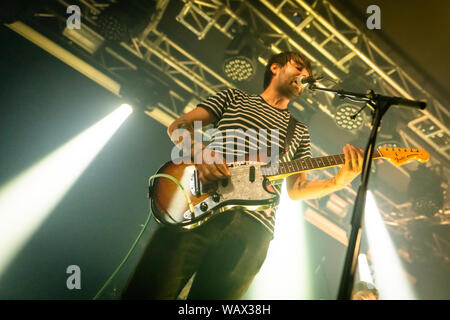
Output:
(203, 206)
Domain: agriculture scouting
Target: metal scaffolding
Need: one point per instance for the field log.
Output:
(200, 16)
(341, 42)
(184, 69)
(336, 44)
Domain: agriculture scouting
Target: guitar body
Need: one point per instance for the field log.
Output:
(245, 188)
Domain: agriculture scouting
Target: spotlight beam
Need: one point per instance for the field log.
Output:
(390, 277)
(28, 199)
(285, 272)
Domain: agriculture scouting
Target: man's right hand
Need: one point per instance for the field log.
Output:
(208, 171)
(209, 168)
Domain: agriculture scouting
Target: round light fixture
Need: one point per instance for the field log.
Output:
(344, 119)
(239, 68)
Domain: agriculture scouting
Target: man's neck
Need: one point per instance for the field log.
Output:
(274, 98)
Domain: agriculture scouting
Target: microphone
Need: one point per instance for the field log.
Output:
(304, 81)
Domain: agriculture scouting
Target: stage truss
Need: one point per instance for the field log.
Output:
(325, 35)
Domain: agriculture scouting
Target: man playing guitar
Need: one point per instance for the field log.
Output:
(227, 252)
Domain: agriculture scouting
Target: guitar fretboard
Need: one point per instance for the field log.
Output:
(308, 164)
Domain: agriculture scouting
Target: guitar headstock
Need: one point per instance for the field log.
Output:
(400, 156)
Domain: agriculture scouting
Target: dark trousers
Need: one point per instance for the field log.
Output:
(226, 253)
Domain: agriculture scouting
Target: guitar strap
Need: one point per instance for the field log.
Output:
(290, 133)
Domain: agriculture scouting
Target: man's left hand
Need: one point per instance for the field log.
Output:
(352, 167)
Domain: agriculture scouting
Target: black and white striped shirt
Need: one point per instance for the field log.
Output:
(236, 109)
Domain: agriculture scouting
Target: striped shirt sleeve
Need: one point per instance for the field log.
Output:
(217, 103)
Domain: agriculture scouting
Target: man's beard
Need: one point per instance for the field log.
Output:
(289, 90)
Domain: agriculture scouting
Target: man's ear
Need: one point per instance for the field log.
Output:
(275, 67)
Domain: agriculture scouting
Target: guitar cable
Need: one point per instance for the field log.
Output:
(191, 209)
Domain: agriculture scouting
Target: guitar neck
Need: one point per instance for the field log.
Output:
(303, 165)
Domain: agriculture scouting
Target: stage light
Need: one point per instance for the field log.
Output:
(343, 116)
(390, 277)
(122, 20)
(285, 272)
(355, 81)
(28, 199)
(240, 57)
(239, 68)
(85, 37)
(425, 191)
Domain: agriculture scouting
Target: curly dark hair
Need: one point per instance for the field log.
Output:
(283, 58)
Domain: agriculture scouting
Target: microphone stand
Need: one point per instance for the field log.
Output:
(379, 104)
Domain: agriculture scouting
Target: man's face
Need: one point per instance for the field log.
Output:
(285, 77)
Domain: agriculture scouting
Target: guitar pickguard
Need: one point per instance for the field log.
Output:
(245, 188)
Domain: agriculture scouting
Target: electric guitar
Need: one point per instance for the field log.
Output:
(179, 199)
